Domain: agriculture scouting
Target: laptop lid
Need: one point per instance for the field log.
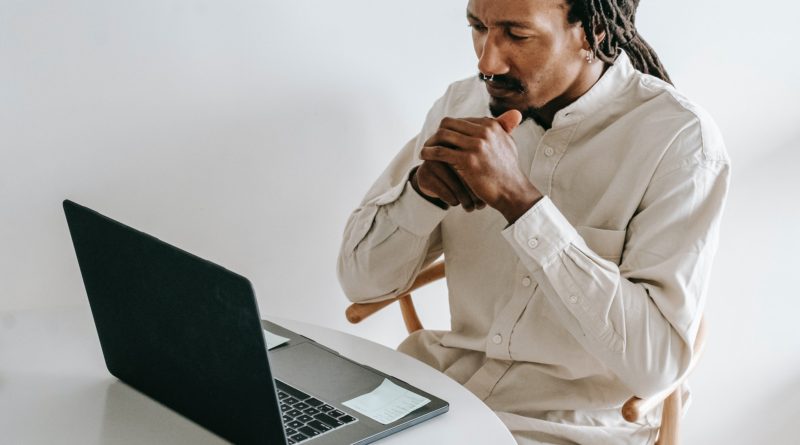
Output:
(178, 328)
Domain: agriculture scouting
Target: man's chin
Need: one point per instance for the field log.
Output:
(497, 107)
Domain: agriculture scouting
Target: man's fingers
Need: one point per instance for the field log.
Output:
(454, 183)
(441, 154)
(467, 127)
(477, 202)
(434, 186)
(447, 157)
(451, 138)
(431, 182)
(510, 120)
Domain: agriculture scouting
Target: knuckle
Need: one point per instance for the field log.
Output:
(473, 162)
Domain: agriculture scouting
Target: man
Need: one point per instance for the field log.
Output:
(578, 243)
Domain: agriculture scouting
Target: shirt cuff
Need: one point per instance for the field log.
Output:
(414, 213)
(540, 235)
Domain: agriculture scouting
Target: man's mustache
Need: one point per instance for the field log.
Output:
(503, 81)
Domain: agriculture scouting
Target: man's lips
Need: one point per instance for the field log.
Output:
(500, 91)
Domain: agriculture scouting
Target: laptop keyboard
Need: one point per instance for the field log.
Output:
(306, 417)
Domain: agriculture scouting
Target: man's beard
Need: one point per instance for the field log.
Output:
(509, 83)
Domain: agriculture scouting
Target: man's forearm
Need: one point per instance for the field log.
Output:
(386, 244)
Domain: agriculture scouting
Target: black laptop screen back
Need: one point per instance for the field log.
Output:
(180, 329)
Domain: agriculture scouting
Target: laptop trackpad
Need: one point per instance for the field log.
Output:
(312, 369)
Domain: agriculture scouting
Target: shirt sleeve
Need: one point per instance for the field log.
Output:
(639, 318)
(394, 233)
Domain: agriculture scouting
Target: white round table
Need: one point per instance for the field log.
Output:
(54, 388)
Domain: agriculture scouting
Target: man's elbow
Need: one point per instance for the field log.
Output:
(661, 375)
(360, 284)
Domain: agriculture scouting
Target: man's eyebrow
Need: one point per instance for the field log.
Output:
(504, 23)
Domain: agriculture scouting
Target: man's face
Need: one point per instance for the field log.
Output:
(530, 48)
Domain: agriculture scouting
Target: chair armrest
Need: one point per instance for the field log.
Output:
(357, 312)
(635, 408)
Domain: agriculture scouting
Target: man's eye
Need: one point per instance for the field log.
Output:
(477, 27)
(517, 36)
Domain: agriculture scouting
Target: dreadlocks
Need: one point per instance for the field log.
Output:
(616, 18)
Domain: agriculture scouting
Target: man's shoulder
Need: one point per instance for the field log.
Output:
(667, 109)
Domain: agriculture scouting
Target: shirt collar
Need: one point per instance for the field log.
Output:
(610, 84)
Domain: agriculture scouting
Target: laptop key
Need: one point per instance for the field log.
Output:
(347, 419)
(285, 407)
(314, 402)
(290, 400)
(305, 418)
(301, 406)
(308, 431)
(290, 432)
(328, 420)
(325, 408)
(291, 442)
(295, 413)
(317, 425)
(335, 413)
(295, 424)
(299, 437)
(287, 419)
(311, 411)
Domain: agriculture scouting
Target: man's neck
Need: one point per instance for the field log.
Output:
(544, 116)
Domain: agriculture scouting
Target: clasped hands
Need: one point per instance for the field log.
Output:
(472, 162)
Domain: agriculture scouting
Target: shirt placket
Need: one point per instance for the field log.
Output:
(498, 344)
(550, 150)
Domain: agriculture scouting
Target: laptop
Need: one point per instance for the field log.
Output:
(187, 333)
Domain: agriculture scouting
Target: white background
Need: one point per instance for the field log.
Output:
(246, 132)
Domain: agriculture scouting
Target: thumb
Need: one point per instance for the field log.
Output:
(510, 120)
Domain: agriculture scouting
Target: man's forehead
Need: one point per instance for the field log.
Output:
(528, 13)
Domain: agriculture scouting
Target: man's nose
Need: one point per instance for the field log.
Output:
(492, 59)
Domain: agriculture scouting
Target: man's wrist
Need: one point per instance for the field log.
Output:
(519, 204)
(433, 200)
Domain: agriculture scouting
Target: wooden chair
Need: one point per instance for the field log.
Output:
(633, 410)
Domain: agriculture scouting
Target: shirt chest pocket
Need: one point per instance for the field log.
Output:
(604, 242)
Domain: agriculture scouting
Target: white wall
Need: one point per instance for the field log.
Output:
(246, 131)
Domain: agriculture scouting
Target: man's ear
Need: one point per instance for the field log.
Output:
(599, 37)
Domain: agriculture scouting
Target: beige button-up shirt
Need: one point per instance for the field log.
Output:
(596, 293)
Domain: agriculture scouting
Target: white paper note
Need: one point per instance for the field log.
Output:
(387, 403)
(273, 341)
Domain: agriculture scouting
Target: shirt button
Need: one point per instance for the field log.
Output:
(526, 281)
(573, 299)
(497, 339)
(548, 151)
(533, 242)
